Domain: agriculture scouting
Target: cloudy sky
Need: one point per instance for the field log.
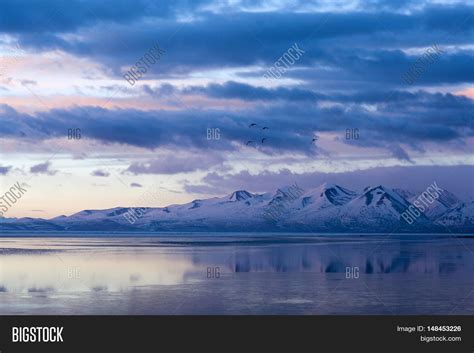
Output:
(62, 67)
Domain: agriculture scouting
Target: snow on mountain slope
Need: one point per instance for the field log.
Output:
(328, 208)
(433, 210)
(442, 204)
(241, 209)
(459, 215)
(240, 195)
(408, 195)
(28, 224)
(327, 195)
(319, 207)
(378, 206)
(92, 215)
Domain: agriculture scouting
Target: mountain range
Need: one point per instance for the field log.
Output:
(327, 208)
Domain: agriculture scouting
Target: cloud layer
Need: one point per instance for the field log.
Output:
(208, 118)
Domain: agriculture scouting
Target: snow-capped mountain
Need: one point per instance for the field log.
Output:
(461, 215)
(433, 210)
(319, 208)
(377, 207)
(327, 195)
(327, 208)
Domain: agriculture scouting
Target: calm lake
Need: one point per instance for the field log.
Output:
(237, 274)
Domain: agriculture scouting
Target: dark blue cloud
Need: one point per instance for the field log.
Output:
(355, 60)
(100, 173)
(359, 46)
(456, 179)
(400, 153)
(397, 118)
(59, 16)
(236, 90)
(400, 115)
(43, 168)
(5, 170)
(246, 92)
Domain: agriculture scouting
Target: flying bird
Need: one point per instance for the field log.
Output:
(265, 128)
(314, 139)
(252, 125)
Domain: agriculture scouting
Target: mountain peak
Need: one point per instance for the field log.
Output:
(335, 194)
(240, 195)
(288, 189)
(376, 195)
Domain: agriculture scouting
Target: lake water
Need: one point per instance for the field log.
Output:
(236, 274)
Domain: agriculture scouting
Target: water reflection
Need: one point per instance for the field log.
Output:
(68, 271)
(44, 266)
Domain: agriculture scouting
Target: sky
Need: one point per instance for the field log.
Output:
(231, 95)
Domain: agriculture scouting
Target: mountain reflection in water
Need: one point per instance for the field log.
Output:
(75, 275)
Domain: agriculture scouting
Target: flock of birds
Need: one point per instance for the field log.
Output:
(264, 128)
